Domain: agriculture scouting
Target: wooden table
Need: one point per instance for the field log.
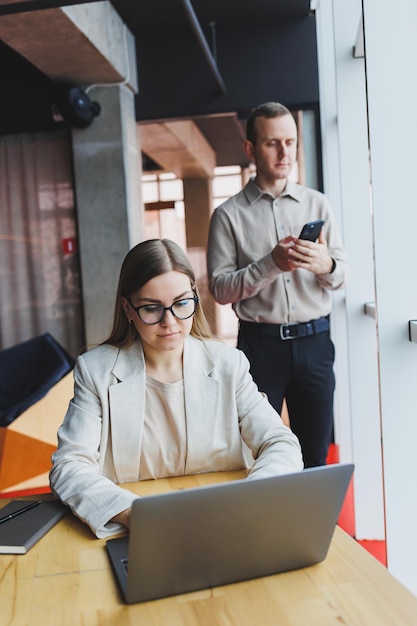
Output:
(65, 580)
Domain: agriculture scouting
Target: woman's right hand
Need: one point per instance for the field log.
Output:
(123, 517)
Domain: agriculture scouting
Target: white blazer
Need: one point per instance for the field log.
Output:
(99, 442)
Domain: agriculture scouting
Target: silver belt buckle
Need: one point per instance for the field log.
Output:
(281, 332)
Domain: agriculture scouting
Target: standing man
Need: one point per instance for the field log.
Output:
(279, 285)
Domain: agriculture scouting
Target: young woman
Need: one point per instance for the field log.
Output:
(160, 398)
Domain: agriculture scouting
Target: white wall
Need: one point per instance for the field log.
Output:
(391, 53)
(375, 98)
(346, 182)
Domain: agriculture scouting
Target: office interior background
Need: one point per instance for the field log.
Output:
(174, 81)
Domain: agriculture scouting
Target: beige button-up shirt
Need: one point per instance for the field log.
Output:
(243, 232)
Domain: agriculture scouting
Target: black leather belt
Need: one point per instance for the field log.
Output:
(287, 331)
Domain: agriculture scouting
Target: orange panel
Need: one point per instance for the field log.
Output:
(22, 457)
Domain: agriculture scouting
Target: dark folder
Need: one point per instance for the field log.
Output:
(19, 533)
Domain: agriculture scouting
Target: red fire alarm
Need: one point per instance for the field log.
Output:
(69, 245)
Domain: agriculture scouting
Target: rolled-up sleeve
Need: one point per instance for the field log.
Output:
(75, 477)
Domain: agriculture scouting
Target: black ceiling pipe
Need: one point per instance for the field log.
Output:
(203, 44)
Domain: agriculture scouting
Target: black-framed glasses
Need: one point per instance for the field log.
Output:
(154, 313)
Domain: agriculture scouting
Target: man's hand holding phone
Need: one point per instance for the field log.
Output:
(281, 254)
(308, 251)
(312, 255)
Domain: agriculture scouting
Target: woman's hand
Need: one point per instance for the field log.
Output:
(123, 517)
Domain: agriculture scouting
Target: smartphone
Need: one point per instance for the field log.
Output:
(311, 230)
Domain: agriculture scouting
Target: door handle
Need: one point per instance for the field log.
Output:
(412, 330)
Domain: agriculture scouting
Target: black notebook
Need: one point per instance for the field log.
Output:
(20, 532)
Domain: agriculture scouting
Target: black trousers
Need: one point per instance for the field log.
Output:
(301, 371)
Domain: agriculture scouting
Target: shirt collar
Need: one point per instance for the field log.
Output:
(254, 193)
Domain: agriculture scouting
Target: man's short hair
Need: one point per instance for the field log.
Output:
(268, 109)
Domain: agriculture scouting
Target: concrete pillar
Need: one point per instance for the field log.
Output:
(107, 172)
(198, 201)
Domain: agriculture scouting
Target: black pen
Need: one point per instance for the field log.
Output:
(20, 511)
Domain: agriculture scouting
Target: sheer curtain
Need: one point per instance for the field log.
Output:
(39, 270)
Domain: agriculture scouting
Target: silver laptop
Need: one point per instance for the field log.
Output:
(206, 536)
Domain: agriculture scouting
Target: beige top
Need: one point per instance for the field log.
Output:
(164, 440)
(243, 232)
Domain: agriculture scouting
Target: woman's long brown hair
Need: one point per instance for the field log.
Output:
(146, 260)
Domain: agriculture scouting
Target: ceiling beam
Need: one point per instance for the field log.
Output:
(85, 43)
(178, 147)
(11, 7)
